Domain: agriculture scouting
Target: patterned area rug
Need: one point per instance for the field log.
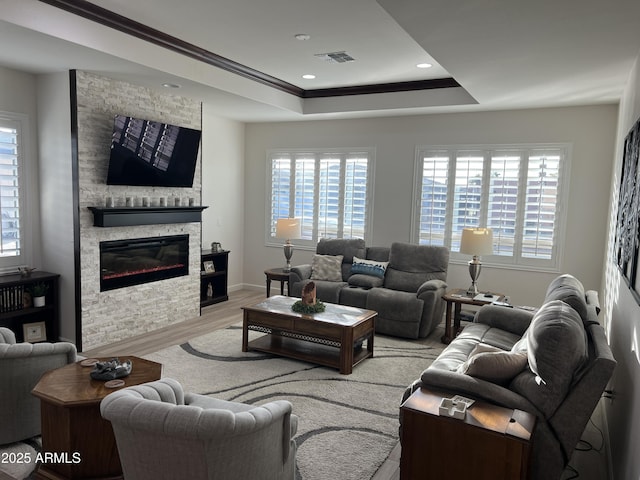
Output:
(348, 424)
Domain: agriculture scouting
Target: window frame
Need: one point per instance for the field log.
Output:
(304, 244)
(20, 122)
(516, 262)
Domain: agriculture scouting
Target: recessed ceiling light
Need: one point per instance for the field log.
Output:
(302, 36)
(308, 77)
(171, 85)
(424, 65)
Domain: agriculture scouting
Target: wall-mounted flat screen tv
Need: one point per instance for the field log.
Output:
(147, 153)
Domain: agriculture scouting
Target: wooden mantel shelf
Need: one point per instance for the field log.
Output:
(130, 216)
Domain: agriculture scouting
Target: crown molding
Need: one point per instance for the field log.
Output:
(123, 24)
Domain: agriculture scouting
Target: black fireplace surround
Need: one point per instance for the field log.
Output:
(124, 263)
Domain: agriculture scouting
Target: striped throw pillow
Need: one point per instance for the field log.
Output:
(368, 267)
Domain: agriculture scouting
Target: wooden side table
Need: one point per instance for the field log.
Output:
(72, 425)
(490, 443)
(279, 275)
(455, 299)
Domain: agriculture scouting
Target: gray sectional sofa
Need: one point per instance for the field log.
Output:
(404, 283)
(553, 363)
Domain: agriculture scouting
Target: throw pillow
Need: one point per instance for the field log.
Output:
(365, 281)
(368, 267)
(493, 364)
(327, 267)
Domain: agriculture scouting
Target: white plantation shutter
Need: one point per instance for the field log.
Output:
(280, 190)
(467, 194)
(433, 199)
(329, 208)
(327, 190)
(355, 197)
(10, 231)
(540, 206)
(514, 190)
(502, 207)
(304, 194)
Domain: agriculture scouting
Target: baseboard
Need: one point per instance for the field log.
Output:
(248, 286)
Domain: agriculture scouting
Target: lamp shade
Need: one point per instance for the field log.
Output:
(477, 241)
(288, 228)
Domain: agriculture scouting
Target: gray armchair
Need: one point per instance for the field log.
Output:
(162, 432)
(21, 366)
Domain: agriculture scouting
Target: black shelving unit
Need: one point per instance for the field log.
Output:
(16, 310)
(217, 278)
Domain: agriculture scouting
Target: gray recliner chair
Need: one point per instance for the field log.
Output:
(162, 432)
(408, 297)
(21, 366)
(410, 303)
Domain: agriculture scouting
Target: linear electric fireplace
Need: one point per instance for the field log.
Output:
(124, 263)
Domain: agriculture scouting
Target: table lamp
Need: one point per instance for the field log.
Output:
(476, 242)
(288, 228)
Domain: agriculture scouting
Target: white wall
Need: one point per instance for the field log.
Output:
(623, 320)
(223, 188)
(56, 191)
(590, 130)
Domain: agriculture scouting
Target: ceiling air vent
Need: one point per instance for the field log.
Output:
(335, 57)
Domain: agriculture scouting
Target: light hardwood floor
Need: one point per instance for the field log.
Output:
(213, 317)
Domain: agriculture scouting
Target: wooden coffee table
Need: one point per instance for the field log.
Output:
(334, 338)
(72, 427)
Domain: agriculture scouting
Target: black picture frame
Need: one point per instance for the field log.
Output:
(628, 223)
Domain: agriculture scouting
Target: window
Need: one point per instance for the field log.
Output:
(515, 190)
(11, 193)
(327, 190)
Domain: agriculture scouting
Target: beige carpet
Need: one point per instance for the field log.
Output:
(348, 424)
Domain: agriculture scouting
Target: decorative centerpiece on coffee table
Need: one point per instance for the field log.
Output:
(308, 304)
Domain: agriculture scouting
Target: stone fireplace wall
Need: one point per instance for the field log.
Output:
(114, 315)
